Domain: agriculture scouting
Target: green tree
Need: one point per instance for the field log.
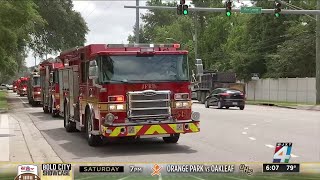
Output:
(64, 27)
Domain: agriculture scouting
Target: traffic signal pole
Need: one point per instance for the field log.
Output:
(265, 11)
(318, 55)
(137, 33)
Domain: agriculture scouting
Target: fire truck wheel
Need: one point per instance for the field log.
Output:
(45, 109)
(33, 103)
(172, 139)
(68, 125)
(93, 140)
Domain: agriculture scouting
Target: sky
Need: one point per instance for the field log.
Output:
(108, 21)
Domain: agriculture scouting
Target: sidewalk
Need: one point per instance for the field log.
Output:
(4, 138)
(286, 105)
(21, 141)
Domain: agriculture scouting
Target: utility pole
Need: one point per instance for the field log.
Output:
(195, 38)
(137, 22)
(318, 55)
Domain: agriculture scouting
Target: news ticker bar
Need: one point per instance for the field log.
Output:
(64, 169)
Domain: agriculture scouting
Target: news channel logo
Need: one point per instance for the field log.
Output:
(27, 172)
(282, 153)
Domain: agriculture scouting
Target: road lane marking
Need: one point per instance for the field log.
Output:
(253, 124)
(244, 133)
(4, 138)
(252, 138)
(271, 177)
(89, 177)
(123, 178)
(246, 128)
(230, 177)
(269, 145)
(25, 103)
(292, 155)
(196, 177)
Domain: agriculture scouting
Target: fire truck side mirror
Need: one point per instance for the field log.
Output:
(93, 70)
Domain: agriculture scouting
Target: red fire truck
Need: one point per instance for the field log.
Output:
(34, 90)
(138, 91)
(22, 87)
(14, 84)
(49, 77)
(18, 84)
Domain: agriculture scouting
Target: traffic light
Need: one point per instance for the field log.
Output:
(228, 7)
(179, 9)
(182, 8)
(277, 9)
(185, 10)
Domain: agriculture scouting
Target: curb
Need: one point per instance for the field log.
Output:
(274, 105)
(3, 111)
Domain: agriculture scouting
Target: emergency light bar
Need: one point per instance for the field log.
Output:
(143, 45)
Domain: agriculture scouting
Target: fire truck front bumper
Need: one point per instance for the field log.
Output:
(151, 129)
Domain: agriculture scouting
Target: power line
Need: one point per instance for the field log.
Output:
(99, 19)
(296, 7)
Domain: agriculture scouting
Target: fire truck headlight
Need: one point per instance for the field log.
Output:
(178, 104)
(109, 118)
(183, 104)
(24, 89)
(116, 107)
(37, 92)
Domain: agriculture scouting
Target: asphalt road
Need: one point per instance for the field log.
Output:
(226, 136)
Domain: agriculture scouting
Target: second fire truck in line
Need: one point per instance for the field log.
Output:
(118, 90)
(49, 77)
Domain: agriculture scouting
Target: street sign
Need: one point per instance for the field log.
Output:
(251, 10)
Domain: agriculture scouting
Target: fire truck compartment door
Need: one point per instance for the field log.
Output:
(73, 87)
(46, 87)
(61, 90)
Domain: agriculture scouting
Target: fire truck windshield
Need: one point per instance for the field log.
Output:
(150, 68)
(36, 81)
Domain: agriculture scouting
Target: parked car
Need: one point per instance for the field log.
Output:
(225, 97)
(3, 87)
(9, 87)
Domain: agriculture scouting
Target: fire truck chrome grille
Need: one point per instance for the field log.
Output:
(149, 103)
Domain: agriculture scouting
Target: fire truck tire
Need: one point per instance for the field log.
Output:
(33, 103)
(68, 125)
(93, 140)
(172, 139)
(45, 109)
